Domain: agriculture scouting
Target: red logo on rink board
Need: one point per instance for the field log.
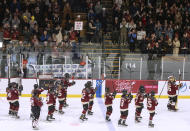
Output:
(131, 86)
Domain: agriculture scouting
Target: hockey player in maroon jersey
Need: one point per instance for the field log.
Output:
(172, 93)
(36, 104)
(8, 90)
(85, 100)
(124, 104)
(38, 91)
(108, 102)
(66, 84)
(139, 103)
(51, 100)
(151, 104)
(91, 101)
(14, 97)
(61, 91)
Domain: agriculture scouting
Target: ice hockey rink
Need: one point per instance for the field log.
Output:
(164, 120)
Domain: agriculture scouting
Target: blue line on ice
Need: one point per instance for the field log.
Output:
(103, 110)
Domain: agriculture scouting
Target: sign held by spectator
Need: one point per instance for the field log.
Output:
(78, 25)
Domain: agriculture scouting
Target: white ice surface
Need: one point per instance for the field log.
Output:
(164, 120)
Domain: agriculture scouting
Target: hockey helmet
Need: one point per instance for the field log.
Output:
(67, 75)
(141, 89)
(107, 89)
(88, 84)
(124, 92)
(36, 93)
(35, 86)
(171, 78)
(152, 93)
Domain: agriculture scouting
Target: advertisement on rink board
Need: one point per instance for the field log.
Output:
(132, 86)
(184, 90)
(59, 69)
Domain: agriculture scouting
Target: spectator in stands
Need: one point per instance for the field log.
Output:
(184, 44)
(91, 31)
(15, 34)
(67, 12)
(32, 23)
(98, 10)
(15, 21)
(35, 41)
(44, 37)
(26, 34)
(176, 46)
(15, 5)
(132, 36)
(115, 31)
(68, 26)
(123, 32)
(97, 33)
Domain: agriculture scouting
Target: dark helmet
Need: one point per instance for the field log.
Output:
(10, 85)
(67, 75)
(141, 89)
(35, 86)
(36, 93)
(152, 93)
(15, 85)
(124, 92)
(107, 89)
(51, 90)
(88, 84)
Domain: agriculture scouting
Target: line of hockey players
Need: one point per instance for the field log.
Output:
(87, 101)
(60, 91)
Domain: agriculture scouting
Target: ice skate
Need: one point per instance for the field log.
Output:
(90, 113)
(123, 123)
(35, 125)
(83, 117)
(119, 122)
(65, 105)
(61, 112)
(51, 117)
(137, 120)
(107, 118)
(151, 125)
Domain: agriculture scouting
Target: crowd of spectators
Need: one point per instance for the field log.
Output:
(153, 26)
(40, 25)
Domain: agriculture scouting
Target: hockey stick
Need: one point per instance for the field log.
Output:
(35, 73)
(178, 89)
(162, 90)
(9, 81)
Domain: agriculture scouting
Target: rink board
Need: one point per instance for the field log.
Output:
(75, 91)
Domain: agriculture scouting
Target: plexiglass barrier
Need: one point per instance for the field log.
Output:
(99, 66)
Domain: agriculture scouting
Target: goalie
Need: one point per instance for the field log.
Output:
(172, 89)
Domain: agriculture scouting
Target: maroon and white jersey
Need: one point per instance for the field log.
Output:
(14, 95)
(92, 93)
(8, 90)
(85, 96)
(124, 103)
(62, 94)
(51, 99)
(151, 104)
(36, 101)
(39, 91)
(66, 83)
(139, 99)
(109, 99)
(172, 89)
